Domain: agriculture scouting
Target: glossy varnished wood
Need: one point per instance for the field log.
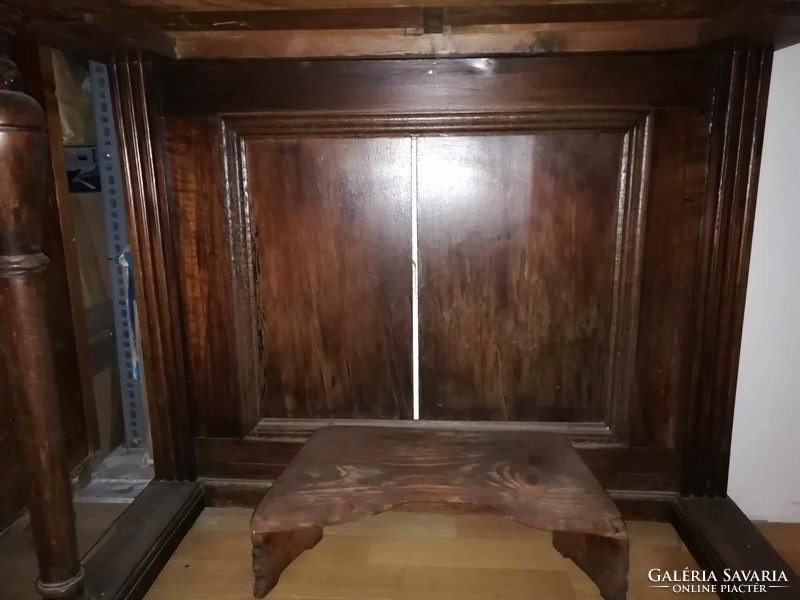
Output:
(522, 240)
(479, 84)
(669, 273)
(331, 224)
(70, 342)
(195, 188)
(479, 40)
(346, 473)
(25, 343)
(622, 141)
(70, 337)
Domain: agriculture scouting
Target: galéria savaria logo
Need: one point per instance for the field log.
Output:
(693, 581)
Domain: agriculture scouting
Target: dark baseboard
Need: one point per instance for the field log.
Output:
(720, 536)
(128, 558)
(644, 505)
(246, 493)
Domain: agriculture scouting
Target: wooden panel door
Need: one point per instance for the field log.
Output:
(519, 254)
(331, 221)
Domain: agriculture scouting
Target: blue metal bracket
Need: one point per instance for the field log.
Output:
(119, 261)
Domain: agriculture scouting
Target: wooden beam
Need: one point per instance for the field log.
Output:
(467, 41)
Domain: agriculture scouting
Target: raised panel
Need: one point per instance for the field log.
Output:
(529, 249)
(204, 266)
(330, 223)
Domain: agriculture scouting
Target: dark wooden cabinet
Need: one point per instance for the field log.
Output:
(571, 187)
(559, 205)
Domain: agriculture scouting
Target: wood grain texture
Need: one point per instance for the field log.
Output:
(521, 244)
(266, 452)
(195, 188)
(274, 551)
(25, 343)
(669, 272)
(568, 104)
(345, 473)
(369, 28)
(331, 224)
(477, 40)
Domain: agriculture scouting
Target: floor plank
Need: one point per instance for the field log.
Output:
(401, 555)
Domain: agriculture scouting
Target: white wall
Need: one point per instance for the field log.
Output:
(765, 457)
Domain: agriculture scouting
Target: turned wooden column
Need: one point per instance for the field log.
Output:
(25, 345)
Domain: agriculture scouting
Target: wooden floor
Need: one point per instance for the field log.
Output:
(407, 556)
(393, 556)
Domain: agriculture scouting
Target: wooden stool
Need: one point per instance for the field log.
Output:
(346, 473)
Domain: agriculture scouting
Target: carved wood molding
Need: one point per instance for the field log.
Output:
(277, 124)
(739, 114)
(635, 125)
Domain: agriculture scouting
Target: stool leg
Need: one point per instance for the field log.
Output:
(603, 559)
(273, 552)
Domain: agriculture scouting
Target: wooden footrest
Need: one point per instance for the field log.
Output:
(346, 473)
